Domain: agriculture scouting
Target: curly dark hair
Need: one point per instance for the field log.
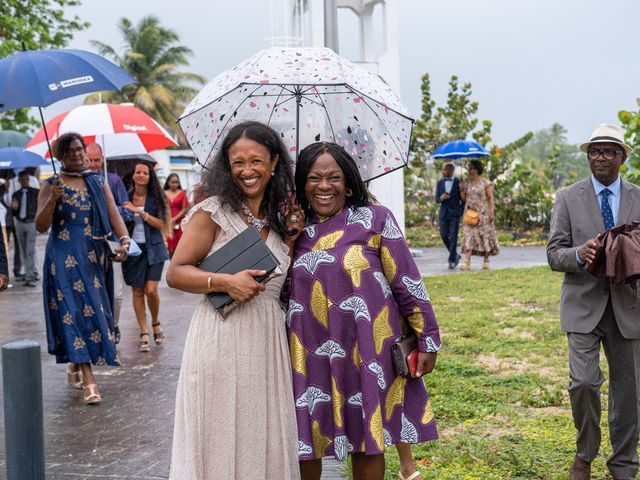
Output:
(475, 164)
(166, 183)
(153, 187)
(61, 146)
(217, 180)
(352, 178)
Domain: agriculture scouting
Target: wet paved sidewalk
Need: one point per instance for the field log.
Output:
(129, 435)
(433, 261)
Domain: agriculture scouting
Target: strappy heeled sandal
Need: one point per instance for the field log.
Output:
(465, 266)
(91, 394)
(158, 338)
(486, 265)
(143, 345)
(74, 377)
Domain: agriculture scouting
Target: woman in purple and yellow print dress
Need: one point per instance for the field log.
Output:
(353, 285)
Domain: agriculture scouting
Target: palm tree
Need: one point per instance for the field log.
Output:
(152, 56)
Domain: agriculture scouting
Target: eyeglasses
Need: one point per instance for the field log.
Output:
(607, 153)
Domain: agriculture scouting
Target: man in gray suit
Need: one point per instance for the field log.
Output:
(595, 311)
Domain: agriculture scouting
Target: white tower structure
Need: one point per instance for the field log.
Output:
(303, 24)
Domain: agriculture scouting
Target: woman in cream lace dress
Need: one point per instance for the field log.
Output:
(235, 416)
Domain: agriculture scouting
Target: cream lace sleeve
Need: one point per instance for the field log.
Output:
(211, 205)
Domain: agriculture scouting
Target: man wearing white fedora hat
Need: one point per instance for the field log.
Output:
(595, 311)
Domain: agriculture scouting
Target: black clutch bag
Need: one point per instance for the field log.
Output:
(246, 251)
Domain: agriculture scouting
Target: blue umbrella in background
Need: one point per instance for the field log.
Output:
(38, 78)
(11, 138)
(460, 149)
(15, 158)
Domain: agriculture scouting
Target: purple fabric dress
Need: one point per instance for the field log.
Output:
(354, 289)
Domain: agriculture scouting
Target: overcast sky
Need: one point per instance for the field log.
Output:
(531, 62)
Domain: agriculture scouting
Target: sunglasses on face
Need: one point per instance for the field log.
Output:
(607, 153)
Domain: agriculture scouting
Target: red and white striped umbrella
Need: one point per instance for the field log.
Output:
(118, 129)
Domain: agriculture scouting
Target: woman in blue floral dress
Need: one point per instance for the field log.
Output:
(79, 208)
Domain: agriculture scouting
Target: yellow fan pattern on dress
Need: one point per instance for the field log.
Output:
(320, 304)
(355, 263)
(395, 396)
(298, 355)
(338, 403)
(357, 358)
(320, 441)
(416, 320)
(381, 329)
(329, 241)
(428, 414)
(374, 241)
(388, 263)
(375, 428)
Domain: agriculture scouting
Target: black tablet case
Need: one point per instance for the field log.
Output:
(246, 251)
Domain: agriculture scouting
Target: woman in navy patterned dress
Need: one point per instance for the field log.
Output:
(79, 208)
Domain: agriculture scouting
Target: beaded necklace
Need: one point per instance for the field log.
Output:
(259, 224)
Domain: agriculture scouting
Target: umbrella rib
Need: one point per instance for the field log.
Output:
(275, 105)
(382, 122)
(324, 107)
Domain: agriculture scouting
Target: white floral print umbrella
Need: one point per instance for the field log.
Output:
(308, 95)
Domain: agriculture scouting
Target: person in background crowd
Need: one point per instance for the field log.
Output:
(354, 289)
(5, 199)
(80, 210)
(142, 273)
(95, 161)
(451, 206)
(479, 239)
(4, 264)
(179, 205)
(24, 205)
(596, 312)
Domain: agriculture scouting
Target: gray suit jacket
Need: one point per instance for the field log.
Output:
(576, 218)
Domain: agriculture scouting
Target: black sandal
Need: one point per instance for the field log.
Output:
(143, 345)
(158, 338)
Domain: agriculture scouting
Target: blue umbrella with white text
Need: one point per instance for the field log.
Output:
(15, 158)
(39, 78)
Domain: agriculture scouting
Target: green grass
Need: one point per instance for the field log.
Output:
(499, 388)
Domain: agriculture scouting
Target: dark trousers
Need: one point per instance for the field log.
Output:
(623, 357)
(449, 235)
(17, 260)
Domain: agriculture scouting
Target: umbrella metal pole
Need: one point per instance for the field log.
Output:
(298, 101)
(46, 135)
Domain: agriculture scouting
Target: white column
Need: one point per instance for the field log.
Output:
(389, 189)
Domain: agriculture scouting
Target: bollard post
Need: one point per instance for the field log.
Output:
(23, 415)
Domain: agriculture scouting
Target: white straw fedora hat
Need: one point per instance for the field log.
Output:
(606, 133)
